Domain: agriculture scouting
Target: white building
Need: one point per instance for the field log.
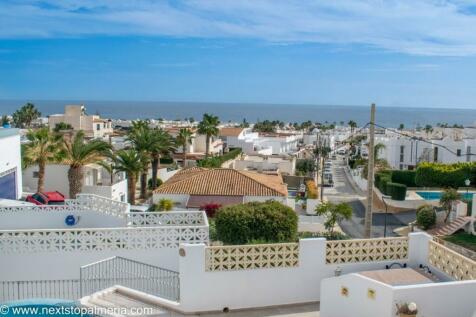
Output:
(285, 165)
(75, 115)
(254, 143)
(442, 146)
(96, 181)
(10, 164)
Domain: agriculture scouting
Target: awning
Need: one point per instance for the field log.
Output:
(196, 201)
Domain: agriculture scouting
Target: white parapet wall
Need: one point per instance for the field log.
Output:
(239, 277)
(37, 244)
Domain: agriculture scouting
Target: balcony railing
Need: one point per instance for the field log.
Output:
(171, 218)
(83, 202)
(99, 239)
(17, 290)
(129, 273)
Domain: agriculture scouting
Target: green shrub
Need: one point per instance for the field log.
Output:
(445, 175)
(149, 182)
(381, 180)
(163, 205)
(217, 161)
(268, 221)
(166, 160)
(404, 177)
(397, 191)
(425, 217)
(328, 235)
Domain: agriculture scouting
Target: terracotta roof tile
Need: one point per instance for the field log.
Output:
(224, 182)
(230, 131)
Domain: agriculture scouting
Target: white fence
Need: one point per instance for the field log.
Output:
(171, 218)
(83, 202)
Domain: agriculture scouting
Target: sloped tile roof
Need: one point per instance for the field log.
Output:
(224, 182)
(230, 131)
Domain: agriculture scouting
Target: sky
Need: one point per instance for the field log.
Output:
(343, 52)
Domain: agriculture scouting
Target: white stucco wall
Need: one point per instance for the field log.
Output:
(10, 157)
(260, 287)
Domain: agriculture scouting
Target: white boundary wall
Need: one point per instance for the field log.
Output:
(259, 287)
(241, 289)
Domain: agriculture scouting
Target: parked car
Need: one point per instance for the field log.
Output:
(46, 198)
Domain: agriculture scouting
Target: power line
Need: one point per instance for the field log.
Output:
(424, 141)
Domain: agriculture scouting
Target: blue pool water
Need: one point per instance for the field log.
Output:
(41, 307)
(437, 195)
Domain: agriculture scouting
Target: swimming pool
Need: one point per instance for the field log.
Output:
(42, 307)
(437, 195)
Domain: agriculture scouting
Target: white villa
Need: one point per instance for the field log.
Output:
(271, 164)
(75, 115)
(97, 181)
(405, 153)
(255, 143)
(10, 164)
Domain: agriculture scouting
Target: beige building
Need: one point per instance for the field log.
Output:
(75, 115)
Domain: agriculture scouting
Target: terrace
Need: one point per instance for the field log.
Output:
(161, 259)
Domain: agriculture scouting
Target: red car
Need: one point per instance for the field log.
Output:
(46, 198)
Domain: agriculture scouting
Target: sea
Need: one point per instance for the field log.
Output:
(411, 117)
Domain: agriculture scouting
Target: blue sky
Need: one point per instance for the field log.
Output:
(349, 52)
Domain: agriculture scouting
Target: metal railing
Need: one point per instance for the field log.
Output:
(17, 290)
(129, 273)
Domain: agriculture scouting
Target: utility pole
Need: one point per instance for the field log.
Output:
(370, 176)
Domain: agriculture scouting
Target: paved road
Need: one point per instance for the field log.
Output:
(343, 191)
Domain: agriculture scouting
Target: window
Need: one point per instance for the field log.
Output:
(98, 127)
(458, 152)
(468, 153)
(435, 154)
(36, 174)
(39, 198)
(402, 153)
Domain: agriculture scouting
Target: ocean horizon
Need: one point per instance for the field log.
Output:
(387, 116)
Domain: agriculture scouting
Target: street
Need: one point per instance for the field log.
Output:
(343, 191)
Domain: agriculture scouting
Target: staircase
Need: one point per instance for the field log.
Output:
(450, 228)
(123, 302)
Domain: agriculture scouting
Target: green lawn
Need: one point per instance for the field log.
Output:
(463, 239)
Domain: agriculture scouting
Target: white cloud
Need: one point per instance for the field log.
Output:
(421, 27)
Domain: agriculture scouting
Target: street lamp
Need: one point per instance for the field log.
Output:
(467, 182)
(386, 211)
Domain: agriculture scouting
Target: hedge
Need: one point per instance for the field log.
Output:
(268, 222)
(381, 180)
(404, 177)
(217, 161)
(397, 191)
(445, 175)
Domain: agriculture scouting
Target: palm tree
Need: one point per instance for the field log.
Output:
(428, 129)
(208, 127)
(77, 153)
(352, 124)
(448, 197)
(132, 163)
(184, 138)
(162, 144)
(141, 138)
(23, 117)
(42, 148)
